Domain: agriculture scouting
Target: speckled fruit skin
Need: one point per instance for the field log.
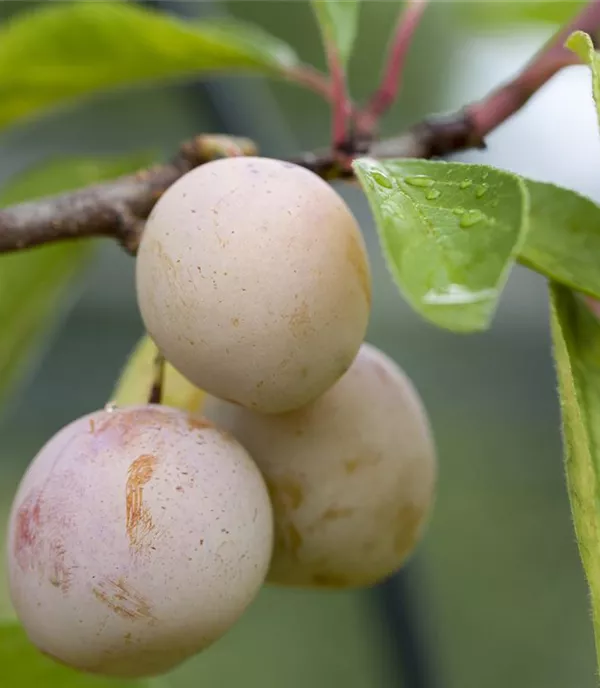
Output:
(352, 475)
(136, 539)
(253, 280)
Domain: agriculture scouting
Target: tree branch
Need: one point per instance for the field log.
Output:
(114, 209)
(119, 208)
(408, 22)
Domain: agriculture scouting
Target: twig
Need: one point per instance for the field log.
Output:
(155, 395)
(114, 209)
(118, 208)
(340, 100)
(487, 114)
(408, 21)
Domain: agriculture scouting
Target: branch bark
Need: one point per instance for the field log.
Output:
(119, 208)
(114, 209)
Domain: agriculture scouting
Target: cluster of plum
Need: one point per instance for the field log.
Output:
(139, 535)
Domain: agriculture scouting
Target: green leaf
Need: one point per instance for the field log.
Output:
(450, 233)
(59, 52)
(581, 44)
(36, 285)
(338, 22)
(24, 665)
(507, 12)
(563, 241)
(576, 337)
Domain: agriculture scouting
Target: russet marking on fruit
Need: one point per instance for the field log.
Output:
(355, 254)
(139, 519)
(127, 423)
(335, 513)
(352, 465)
(28, 521)
(118, 596)
(409, 519)
(39, 541)
(199, 423)
(300, 320)
(60, 574)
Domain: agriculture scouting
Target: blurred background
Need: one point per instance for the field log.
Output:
(495, 596)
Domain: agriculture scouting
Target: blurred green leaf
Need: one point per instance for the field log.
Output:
(450, 233)
(36, 286)
(563, 241)
(54, 54)
(581, 44)
(499, 12)
(22, 664)
(576, 337)
(338, 22)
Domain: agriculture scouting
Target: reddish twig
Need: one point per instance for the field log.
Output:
(487, 114)
(408, 21)
(340, 101)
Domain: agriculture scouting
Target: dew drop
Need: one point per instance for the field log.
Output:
(432, 194)
(382, 180)
(471, 218)
(465, 184)
(419, 180)
(481, 190)
(459, 211)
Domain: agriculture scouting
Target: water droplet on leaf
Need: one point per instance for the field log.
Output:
(419, 180)
(471, 218)
(459, 211)
(432, 194)
(481, 190)
(382, 180)
(465, 184)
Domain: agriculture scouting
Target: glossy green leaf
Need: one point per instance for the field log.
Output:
(581, 44)
(576, 337)
(22, 664)
(563, 241)
(509, 12)
(338, 21)
(62, 51)
(36, 286)
(450, 233)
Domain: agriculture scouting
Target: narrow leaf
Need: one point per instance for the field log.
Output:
(138, 376)
(576, 337)
(450, 233)
(563, 241)
(36, 286)
(511, 13)
(581, 44)
(338, 22)
(59, 52)
(24, 665)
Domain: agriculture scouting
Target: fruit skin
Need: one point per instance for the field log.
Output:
(351, 476)
(253, 280)
(136, 539)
